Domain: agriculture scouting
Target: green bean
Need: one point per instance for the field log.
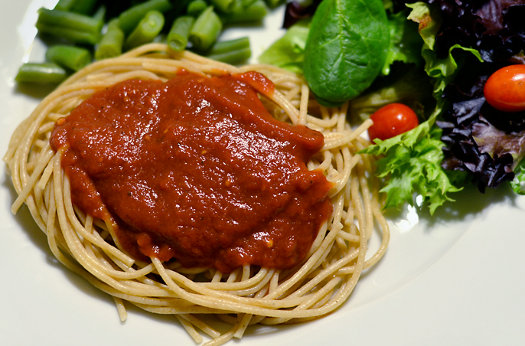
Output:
(205, 30)
(232, 57)
(64, 5)
(70, 20)
(83, 6)
(223, 5)
(111, 43)
(254, 12)
(147, 29)
(77, 6)
(177, 38)
(71, 35)
(100, 13)
(196, 7)
(70, 57)
(40, 73)
(74, 27)
(230, 45)
(233, 51)
(129, 19)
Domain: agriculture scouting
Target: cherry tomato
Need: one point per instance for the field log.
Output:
(505, 89)
(392, 120)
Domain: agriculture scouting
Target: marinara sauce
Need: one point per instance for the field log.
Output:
(196, 169)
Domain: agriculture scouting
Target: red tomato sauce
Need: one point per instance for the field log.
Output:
(196, 169)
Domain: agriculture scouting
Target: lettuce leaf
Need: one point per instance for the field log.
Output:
(411, 163)
(442, 70)
(405, 43)
(493, 27)
(288, 51)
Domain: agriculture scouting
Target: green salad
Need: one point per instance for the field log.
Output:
(434, 56)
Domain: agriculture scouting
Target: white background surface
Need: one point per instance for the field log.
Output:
(457, 278)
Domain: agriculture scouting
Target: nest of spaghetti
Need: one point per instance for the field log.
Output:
(248, 295)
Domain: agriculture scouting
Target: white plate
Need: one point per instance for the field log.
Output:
(456, 278)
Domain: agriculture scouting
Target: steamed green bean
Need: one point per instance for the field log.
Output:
(111, 43)
(130, 18)
(147, 29)
(40, 73)
(205, 30)
(71, 57)
(177, 38)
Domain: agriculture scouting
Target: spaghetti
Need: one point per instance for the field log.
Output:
(248, 295)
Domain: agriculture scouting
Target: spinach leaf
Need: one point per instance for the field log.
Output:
(346, 48)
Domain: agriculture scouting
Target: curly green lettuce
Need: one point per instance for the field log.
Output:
(411, 165)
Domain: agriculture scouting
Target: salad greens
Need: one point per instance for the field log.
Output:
(405, 43)
(409, 163)
(441, 70)
(412, 161)
(439, 53)
(470, 125)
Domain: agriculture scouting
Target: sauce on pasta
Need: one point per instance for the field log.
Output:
(196, 169)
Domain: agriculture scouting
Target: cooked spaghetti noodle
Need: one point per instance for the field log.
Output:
(248, 295)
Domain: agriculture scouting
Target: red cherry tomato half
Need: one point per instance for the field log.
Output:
(505, 89)
(392, 120)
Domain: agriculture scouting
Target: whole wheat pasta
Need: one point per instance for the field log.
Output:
(248, 295)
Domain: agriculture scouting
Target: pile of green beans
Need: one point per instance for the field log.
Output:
(80, 31)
